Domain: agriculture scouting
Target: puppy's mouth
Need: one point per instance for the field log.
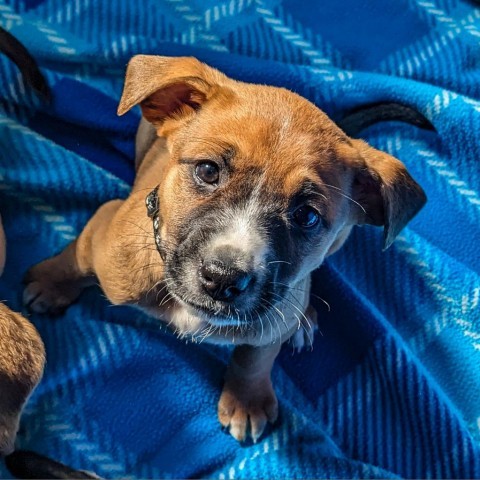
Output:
(221, 315)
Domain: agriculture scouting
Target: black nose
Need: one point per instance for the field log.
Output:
(223, 282)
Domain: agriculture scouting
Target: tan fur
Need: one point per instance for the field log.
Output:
(196, 113)
(22, 358)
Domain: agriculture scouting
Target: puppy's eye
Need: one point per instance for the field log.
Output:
(207, 172)
(306, 216)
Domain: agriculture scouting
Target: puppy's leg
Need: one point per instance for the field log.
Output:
(248, 400)
(55, 283)
(22, 357)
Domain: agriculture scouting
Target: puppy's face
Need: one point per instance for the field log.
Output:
(259, 188)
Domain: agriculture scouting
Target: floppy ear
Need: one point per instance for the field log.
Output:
(167, 87)
(386, 191)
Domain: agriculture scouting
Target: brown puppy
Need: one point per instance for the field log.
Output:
(22, 354)
(22, 357)
(256, 186)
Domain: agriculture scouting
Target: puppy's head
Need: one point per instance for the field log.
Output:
(259, 187)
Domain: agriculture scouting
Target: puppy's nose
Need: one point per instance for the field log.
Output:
(223, 282)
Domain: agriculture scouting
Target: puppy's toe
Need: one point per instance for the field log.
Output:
(271, 409)
(258, 421)
(239, 425)
(226, 410)
(247, 409)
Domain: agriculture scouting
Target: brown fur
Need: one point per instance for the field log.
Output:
(22, 358)
(198, 113)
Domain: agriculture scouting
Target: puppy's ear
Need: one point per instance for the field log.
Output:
(167, 87)
(386, 191)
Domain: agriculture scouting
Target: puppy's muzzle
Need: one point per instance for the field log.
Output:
(224, 275)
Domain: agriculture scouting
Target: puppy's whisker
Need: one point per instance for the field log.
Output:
(273, 333)
(155, 285)
(149, 189)
(289, 287)
(282, 316)
(145, 267)
(138, 226)
(238, 317)
(271, 328)
(259, 319)
(294, 306)
(141, 235)
(304, 291)
(141, 245)
(165, 299)
(301, 305)
(207, 333)
(148, 248)
(322, 300)
(160, 292)
(343, 194)
(307, 332)
(279, 261)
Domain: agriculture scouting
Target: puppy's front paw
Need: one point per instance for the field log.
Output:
(246, 408)
(47, 290)
(303, 336)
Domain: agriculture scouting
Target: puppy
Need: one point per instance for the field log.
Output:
(248, 188)
(22, 354)
(22, 357)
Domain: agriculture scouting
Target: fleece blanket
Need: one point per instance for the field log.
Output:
(392, 385)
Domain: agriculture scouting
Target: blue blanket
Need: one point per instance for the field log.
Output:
(392, 386)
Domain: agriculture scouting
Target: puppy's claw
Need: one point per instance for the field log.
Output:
(258, 422)
(238, 428)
